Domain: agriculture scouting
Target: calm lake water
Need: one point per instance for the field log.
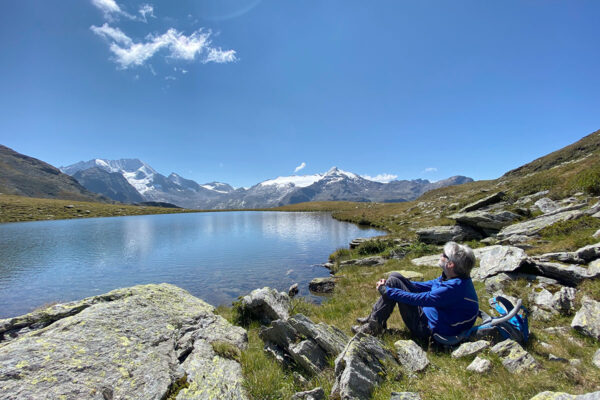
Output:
(215, 256)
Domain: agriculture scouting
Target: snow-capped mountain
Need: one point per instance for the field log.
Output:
(334, 184)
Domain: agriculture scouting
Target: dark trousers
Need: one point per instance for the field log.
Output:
(413, 316)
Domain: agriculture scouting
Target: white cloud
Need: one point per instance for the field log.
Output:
(430, 169)
(111, 9)
(299, 167)
(383, 178)
(115, 34)
(145, 11)
(180, 47)
(170, 78)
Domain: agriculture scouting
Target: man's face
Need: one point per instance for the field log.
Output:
(443, 263)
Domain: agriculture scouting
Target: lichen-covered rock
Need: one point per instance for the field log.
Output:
(514, 358)
(567, 274)
(322, 285)
(488, 221)
(300, 341)
(131, 343)
(470, 348)
(500, 259)
(266, 305)
(360, 366)
(546, 205)
(563, 301)
(596, 358)
(443, 234)
(315, 394)
(480, 365)
(565, 396)
(405, 396)
(587, 319)
(365, 262)
(486, 201)
(411, 356)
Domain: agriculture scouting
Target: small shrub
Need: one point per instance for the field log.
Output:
(374, 247)
(226, 350)
(589, 181)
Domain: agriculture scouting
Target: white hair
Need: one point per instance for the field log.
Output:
(462, 256)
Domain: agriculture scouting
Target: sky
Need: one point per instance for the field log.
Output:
(241, 91)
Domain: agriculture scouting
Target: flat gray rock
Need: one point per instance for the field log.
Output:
(480, 365)
(131, 343)
(470, 348)
(411, 356)
(533, 226)
(489, 221)
(546, 205)
(322, 285)
(486, 201)
(360, 367)
(514, 358)
(589, 253)
(443, 234)
(587, 319)
(565, 396)
(571, 275)
(365, 262)
(266, 305)
(405, 396)
(500, 259)
(315, 394)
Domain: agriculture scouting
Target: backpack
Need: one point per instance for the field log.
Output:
(515, 327)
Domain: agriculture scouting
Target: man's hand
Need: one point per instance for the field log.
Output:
(380, 283)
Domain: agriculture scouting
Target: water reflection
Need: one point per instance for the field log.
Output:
(215, 256)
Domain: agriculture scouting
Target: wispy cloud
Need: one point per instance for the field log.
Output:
(383, 178)
(111, 9)
(299, 167)
(128, 54)
(430, 169)
(146, 10)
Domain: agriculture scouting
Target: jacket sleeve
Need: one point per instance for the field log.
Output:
(441, 296)
(422, 286)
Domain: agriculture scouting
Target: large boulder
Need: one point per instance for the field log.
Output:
(583, 255)
(300, 341)
(533, 226)
(500, 259)
(265, 305)
(132, 343)
(567, 274)
(587, 319)
(443, 234)
(486, 201)
(360, 367)
(488, 221)
(411, 356)
(514, 358)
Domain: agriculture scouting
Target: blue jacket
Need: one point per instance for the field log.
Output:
(451, 306)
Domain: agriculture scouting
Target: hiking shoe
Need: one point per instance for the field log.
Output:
(372, 327)
(362, 320)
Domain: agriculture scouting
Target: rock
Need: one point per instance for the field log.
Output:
(565, 396)
(266, 305)
(552, 357)
(597, 234)
(596, 358)
(486, 201)
(411, 356)
(359, 367)
(405, 396)
(443, 234)
(589, 253)
(428, 261)
(563, 301)
(514, 358)
(293, 290)
(300, 341)
(480, 365)
(563, 257)
(365, 262)
(542, 297)
(587, 319)
(546, 205)
(328, 265)
(500, 259)
(315, 394)
(411, 275)
(533, 226)
(322, 285)
(131, 343)
(358, 241)
(488, 221)
(531, 197)
(496, 283)
(470, 348)
(570, 275)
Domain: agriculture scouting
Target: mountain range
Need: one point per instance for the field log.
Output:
(132, 180)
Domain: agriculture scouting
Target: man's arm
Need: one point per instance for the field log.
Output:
(441, 296)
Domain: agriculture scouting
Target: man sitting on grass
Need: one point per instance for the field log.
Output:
(446, 305)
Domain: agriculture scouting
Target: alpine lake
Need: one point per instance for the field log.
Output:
(216, 256)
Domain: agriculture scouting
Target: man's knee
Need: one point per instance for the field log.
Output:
(396, 280)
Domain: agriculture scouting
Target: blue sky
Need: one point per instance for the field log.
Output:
(240, 91)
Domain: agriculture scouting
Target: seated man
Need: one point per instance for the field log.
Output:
(446, 305)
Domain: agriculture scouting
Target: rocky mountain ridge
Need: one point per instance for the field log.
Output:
(333, 185)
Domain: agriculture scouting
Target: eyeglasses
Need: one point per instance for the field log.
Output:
(445, 256)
